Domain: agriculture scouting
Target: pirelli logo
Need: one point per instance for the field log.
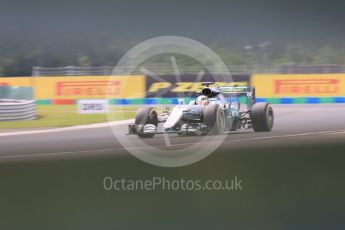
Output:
(88, 88)
(307, 86)
(4, 84)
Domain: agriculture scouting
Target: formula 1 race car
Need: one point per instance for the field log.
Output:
(216, 110)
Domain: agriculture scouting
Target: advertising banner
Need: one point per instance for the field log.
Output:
(17, 81)
(299, 85)
(90, 87)
(16, 88)
(93, 106)
(169, 86)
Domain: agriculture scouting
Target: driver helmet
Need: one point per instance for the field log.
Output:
(202, 100)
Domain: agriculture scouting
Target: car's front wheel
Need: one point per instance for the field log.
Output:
(214, 118)
(146, 116)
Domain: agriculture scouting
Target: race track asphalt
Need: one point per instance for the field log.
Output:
(293, 124)
(293, 178)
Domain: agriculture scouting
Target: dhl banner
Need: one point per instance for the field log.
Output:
(299, 85)
(17, 81)
(90, 87)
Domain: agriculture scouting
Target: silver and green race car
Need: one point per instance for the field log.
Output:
(216, 110)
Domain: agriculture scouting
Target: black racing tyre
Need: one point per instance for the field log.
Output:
(213, 117)
(146, 115)
(262, 117)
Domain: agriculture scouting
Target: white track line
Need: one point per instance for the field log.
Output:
(167, 139)
(337, 133)
(54, 130)
(175, 145)
(290, 135)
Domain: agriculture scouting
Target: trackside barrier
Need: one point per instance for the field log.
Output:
(13, 110)
(130, 101)
(65, 90)
(301, 100)
(299, 88)
(136, 90)
(174, 101)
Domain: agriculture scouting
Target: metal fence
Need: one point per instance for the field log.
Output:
(108, 70)
(164, 69)
(305, 69)
(71, 71)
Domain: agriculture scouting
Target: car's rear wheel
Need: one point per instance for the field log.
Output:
(262, 117)
(214, 118)
(145, 116)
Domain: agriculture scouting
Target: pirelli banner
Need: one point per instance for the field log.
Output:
(299, 85)
(169, 86)
(90, 87)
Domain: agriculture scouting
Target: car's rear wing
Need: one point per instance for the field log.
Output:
(236, 90)
(243, 94)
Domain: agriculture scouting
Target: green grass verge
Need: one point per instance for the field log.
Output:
(66, 115)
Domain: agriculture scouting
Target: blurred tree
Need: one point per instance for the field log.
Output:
(17, 57)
